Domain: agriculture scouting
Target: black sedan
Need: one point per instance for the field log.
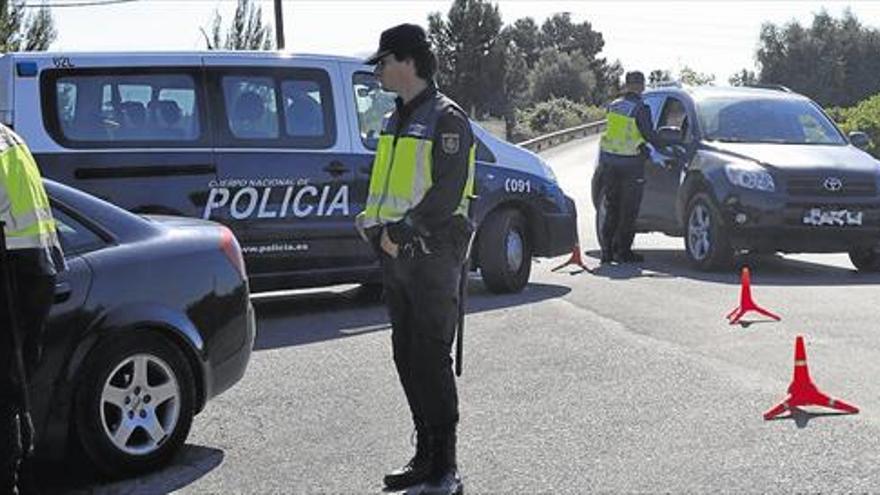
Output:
(151, 320)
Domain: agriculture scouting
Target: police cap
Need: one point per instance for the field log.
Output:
(405, 39)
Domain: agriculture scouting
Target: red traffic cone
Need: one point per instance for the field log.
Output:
(575, 259)
(802, 391)
(746, 303)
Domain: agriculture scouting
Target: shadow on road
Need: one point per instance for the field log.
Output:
(765, 270)
(305, 319)
(190, 464)
(802, 418)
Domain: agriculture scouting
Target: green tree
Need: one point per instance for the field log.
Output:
(561, 34)
(22, 32)
(659, 76)
(834, 61)
(864, 117)
(524, 40)
(562, 75)
(744, 77)
(470, 64)
(247, 31)
(691, 77)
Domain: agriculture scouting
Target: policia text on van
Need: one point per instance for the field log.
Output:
(278, 147)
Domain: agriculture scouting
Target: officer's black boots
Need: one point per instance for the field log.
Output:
(629, 257)
(419, 468)
(444, 479)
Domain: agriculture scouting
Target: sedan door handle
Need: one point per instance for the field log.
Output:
(62, 292)
(336, 168)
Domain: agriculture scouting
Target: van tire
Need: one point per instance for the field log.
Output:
(505, 252)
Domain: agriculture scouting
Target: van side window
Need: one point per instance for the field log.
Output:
(251, 106)
(116, 108)
(303, 108)
(372, 105)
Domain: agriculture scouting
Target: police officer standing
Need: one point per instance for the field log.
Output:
(623, 150)
(33, 259)
(416, 218)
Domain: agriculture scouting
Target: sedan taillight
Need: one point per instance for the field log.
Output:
(230, 248)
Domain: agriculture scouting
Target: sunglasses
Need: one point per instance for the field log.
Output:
(384, 61)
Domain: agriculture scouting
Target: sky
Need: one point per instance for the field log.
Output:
(716, 37)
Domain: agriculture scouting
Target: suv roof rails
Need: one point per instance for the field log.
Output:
(666, 84)
(777, 87)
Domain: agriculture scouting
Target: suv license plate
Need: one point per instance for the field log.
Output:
(839, 218)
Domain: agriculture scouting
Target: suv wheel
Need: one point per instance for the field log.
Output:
(135, 403)
(505, 252)
(866, 259)
(705, 237)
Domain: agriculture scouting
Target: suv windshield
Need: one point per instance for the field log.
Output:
(765, 120)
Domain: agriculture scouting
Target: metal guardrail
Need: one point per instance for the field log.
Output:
(546, 141)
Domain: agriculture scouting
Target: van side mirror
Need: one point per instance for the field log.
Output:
(859, 139)
(670, 135)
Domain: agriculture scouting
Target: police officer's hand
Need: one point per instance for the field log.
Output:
(388, 245)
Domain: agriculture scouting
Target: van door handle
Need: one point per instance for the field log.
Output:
(62, 292)
(336, 168)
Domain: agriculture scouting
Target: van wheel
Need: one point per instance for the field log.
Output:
(705, 238)
(866, 259)
(505, 252)
(134, 404)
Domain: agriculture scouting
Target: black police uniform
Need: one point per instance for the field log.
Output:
(623, 180)
(421, 287)
(33, 274)
(422, 282)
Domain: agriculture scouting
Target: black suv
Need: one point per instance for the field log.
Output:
(755, 169)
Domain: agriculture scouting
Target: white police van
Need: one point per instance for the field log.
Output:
(278, 147)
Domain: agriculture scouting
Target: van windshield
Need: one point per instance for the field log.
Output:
(765, 120)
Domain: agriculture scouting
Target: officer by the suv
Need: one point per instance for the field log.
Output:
(32, 260)
(623, 150)
(416, 218)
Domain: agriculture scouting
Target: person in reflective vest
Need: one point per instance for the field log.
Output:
(623, 150)
(32, 259)
(416, 218)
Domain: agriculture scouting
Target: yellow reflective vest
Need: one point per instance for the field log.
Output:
(402, 167)
(24, 206)
(622, 136)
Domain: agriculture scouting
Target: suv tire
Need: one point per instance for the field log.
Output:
(865, 259)
(706, 240)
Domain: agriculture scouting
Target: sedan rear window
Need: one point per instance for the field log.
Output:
(766, 120)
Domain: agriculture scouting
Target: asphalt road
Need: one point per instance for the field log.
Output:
(626, 380)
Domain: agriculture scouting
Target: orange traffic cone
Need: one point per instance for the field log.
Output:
(802, 391)
(575, 259)
(746, 303)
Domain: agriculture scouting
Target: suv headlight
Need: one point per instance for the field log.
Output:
(749, 177)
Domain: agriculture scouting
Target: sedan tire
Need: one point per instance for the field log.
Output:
(135, 403)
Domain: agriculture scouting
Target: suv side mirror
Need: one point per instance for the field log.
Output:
(670, 135)
(859, 139)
